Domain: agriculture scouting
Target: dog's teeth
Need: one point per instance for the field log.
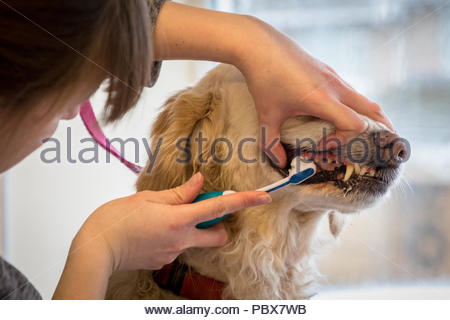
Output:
(363, 170)
(357, 168)
(348, 171)
(372, 172)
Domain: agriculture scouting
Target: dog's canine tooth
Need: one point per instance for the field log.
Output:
(372, 172)
(348, 171)
(357, 168)
(363, 171)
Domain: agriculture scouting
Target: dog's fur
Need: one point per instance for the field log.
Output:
(271, 248)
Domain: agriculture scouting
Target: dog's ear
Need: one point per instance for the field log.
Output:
(177, 152)
(336, 222)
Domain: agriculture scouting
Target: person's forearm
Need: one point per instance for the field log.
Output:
(87, 270)
(185, 32)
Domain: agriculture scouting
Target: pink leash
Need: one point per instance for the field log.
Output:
(92, 126)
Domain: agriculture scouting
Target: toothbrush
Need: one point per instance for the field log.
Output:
(307, 170)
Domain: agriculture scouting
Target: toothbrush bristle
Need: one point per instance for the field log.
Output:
(299, 164)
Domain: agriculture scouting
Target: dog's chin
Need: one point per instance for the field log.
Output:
(327, 196)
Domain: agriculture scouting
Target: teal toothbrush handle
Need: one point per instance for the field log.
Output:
(205, 196)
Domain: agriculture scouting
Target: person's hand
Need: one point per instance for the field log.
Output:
(145, 231)
(150, 229)
(283, 79)
(286, 81)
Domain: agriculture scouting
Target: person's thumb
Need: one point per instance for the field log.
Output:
(270, 144)
(186, 193)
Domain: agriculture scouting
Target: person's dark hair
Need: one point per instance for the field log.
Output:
(48, 45)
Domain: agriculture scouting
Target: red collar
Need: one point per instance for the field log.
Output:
(185, 282)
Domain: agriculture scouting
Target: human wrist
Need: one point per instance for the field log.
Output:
(252, 42)
(88, 267)
(260, 46)
(186, 32)
(90, 242)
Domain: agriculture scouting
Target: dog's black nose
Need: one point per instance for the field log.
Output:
(390, 149)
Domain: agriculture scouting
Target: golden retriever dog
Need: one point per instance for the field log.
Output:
(213, 128)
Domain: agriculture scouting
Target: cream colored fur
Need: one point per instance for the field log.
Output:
(271, 250)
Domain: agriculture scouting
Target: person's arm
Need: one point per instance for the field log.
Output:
(186, 32)
(268, 59)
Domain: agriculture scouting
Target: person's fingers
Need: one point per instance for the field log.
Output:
(364, 106)
(217, 207)
(214, 236)
(334, 141)
(347, 121)
(186, 193)
(270, 143)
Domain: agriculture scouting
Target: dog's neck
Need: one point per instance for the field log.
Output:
(268, 256)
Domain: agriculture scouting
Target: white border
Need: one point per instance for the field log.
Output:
(248, 309)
